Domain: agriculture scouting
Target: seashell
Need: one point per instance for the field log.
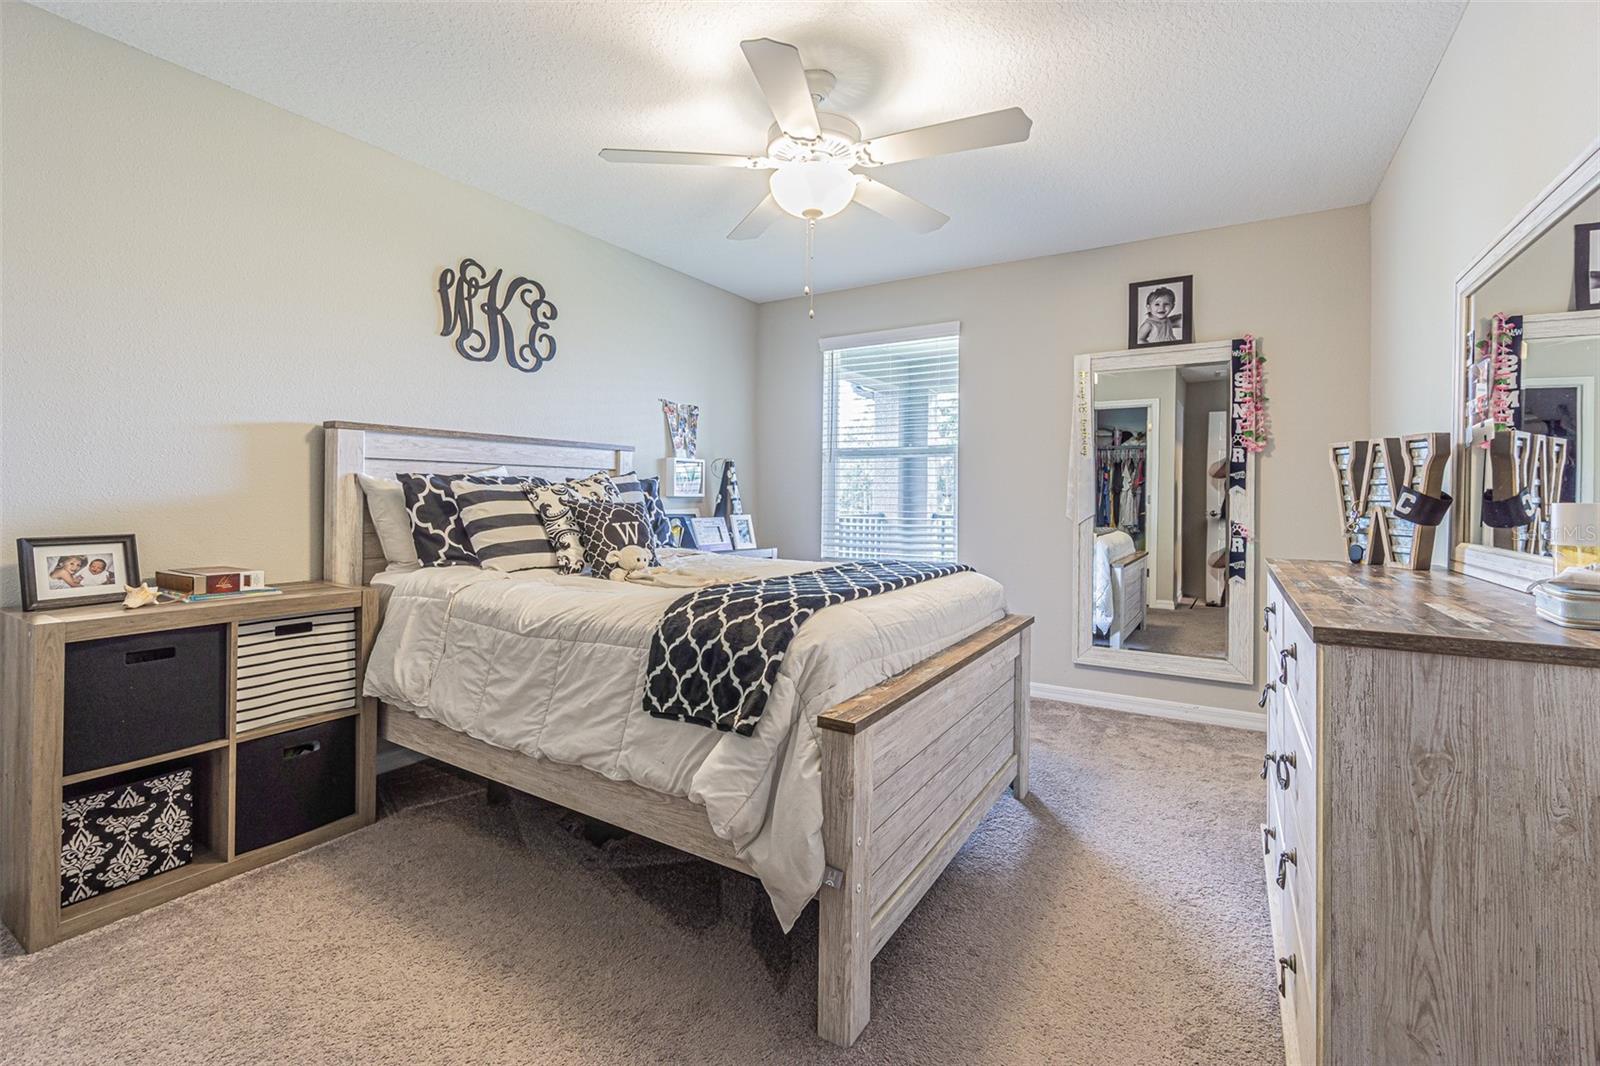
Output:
(139, 596)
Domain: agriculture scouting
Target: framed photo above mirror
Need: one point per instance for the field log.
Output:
(1161, 312)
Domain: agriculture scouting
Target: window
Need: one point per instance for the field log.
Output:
(891, 421)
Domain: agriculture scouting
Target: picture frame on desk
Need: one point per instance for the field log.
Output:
(76, 571)
(680, 524)
(743, 529)
(711, 534)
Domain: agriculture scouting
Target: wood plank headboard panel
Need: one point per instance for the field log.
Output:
(350, 550)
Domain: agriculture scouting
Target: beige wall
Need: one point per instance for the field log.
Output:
(1515, 100)
(194, 280)
(1298, 283)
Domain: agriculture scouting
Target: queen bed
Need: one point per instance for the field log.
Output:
(893, 724)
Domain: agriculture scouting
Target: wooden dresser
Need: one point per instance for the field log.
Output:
(1432, 835)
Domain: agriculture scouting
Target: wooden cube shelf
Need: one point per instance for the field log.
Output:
(32, 782)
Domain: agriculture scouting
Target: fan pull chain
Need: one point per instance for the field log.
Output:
(811, 237)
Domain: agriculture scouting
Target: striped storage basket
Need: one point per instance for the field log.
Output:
(293, 667)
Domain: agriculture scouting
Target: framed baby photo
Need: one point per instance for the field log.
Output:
(1586, 267)
(743, 528)
(72, 571)
(1161, 312)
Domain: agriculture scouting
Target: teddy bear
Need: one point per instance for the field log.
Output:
(624, 561)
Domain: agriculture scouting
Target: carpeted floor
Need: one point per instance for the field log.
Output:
(1117, 916)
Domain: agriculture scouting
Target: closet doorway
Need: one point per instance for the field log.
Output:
(1125, 468)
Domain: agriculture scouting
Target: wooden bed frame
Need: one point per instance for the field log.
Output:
(909, 767)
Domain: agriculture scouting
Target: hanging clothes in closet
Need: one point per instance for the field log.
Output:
(1120, 486)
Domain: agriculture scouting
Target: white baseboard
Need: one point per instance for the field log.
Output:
(1183, 712)
(1164, 605)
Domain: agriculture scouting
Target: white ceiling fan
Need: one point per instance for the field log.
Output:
(818, 158)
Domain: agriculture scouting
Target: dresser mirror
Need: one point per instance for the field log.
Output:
(1152, 516)
(1527, 383)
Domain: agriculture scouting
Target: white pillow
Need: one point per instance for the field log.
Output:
(386, 503)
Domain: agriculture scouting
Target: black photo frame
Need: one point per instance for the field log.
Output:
(681, 523)
(1181, 289)
(1586, 267)
(37, 565)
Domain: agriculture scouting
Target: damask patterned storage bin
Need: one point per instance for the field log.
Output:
(118, 835)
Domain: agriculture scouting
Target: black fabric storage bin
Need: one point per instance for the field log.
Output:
(291, 783)
(118, 834)
(129, 698)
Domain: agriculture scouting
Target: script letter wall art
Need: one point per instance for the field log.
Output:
(489, 321)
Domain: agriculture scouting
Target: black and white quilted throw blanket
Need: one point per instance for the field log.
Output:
(717, 651)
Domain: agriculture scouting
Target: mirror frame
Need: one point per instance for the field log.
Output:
(1512, 569)
(1239, 666)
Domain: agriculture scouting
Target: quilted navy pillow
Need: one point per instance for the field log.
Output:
(606, 528)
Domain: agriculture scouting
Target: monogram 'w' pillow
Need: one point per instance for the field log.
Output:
(503, 526)
(436, 529)
(606, 528)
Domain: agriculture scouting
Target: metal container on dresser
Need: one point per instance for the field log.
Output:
(1432, 836)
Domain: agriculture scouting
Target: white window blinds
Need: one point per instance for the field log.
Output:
(891, 422)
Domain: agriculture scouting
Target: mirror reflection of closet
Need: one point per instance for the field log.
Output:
(1160, 524)
(1545, 452)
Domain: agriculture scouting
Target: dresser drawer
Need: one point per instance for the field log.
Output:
(1289, 969)
(1292, 667)
(289, 668)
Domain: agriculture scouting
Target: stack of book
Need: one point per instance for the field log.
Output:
(194, 584)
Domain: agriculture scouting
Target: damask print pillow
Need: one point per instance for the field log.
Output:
(554, 504)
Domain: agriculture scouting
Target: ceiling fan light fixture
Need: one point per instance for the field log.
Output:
(813, 189)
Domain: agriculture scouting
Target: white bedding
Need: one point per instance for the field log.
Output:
(553, 666)
(1107, 546)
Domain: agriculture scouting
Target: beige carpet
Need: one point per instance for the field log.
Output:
(1200, 631)
(1117, 916)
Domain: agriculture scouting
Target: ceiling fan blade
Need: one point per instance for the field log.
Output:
(756, 222)
(957, 135)
(694, 159)
(896, 206)
(782, 78)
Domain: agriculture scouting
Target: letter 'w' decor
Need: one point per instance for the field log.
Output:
(481, 316)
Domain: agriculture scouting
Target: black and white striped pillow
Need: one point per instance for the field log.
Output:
(630, 487)
(436, 530)
(503, 526)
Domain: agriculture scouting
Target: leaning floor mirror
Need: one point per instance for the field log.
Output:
(1527, 387)
(1166, 574)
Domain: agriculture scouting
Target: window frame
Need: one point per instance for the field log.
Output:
(831, 452)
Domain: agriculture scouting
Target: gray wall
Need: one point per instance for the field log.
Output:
(1298, 283)
(194, 280)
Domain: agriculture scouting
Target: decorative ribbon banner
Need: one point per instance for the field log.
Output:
(1247, 432)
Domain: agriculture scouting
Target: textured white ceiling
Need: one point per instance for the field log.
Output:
(1149, 119)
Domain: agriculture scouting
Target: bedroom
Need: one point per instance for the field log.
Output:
(227, 226)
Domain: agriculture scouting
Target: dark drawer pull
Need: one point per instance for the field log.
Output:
(296, 751)
(1266, 690)
(1266, 616)
(1291, 652)
(1286, 966)
(1267, 761)
(1285, 765)
(1284, 859)
(151, 655)
(1268, 835)
(291, 629)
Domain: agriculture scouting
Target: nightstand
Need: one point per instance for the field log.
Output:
(148, 753)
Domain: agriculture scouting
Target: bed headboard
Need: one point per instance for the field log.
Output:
(350, 550)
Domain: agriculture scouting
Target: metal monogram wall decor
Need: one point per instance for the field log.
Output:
(489, 321)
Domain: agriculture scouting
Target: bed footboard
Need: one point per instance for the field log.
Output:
(909, 769)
